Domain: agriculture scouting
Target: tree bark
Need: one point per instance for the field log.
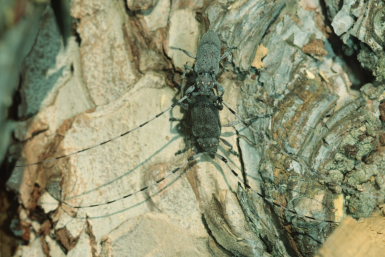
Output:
(308, 130)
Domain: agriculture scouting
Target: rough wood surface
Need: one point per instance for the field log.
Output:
(365, 237)
(319, 154)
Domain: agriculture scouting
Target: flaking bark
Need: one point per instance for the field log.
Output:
(316, 158)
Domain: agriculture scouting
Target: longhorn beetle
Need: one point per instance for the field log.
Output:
(202, 102)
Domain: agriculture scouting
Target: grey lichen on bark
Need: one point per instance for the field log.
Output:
(17, 36)
(316, 155)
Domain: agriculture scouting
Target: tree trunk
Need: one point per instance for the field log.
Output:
(308, 129)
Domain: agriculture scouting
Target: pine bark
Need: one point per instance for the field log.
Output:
(306, 80)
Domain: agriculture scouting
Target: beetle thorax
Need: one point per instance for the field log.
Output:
(205, 82)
